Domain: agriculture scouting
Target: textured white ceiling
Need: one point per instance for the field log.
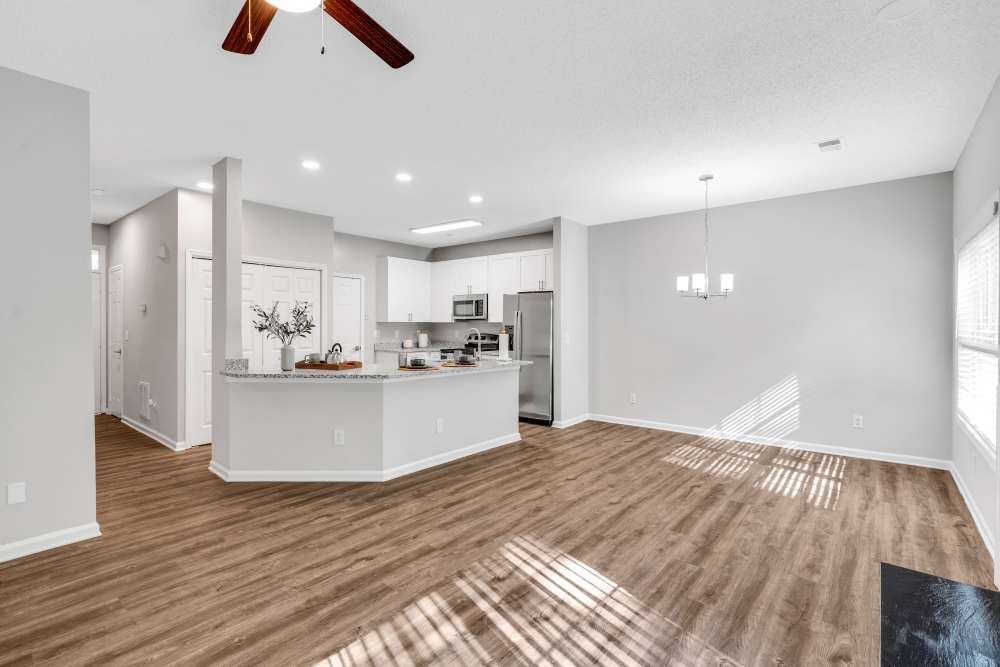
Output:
(595, 110)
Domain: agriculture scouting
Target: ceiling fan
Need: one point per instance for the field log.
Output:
(256, 15)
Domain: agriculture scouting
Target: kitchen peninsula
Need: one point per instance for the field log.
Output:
(365, 425)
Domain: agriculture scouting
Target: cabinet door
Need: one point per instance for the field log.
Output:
(549, 271)
(477, 274)
(532, 272)
(420, 291)
(504, 278)
(443, 281)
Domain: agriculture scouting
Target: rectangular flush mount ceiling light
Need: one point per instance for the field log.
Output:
(447, 226)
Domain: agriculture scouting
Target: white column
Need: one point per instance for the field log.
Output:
(227, 255)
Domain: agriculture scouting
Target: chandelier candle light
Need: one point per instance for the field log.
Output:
(697, 286)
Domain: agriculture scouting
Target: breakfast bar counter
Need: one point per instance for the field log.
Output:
(362, 425)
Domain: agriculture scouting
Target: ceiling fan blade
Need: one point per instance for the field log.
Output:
(371, 34)
(237, 40)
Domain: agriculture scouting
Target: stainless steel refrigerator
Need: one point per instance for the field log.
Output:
(528, 317)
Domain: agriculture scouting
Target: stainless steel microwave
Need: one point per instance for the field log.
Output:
(469, 307)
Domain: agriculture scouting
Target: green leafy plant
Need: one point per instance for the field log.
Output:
(299, 326)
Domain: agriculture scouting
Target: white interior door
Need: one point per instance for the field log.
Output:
(348, 316)
(285, 286)
(98, 319)
(198, 409)
(116, 340)
(253, 294)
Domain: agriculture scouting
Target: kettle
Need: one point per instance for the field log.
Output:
(335, 355)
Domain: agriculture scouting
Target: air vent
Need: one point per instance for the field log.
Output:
(830, 145)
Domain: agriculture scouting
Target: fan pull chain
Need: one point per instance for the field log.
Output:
(249, 20)
(322, 31)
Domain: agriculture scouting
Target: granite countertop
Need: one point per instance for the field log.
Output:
(396, 346)
(372, 373)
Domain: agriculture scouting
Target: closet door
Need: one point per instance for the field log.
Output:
(286, 286)
(253, 294)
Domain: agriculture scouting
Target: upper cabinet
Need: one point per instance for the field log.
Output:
(403, 290)
(536, 270)
(415, 291)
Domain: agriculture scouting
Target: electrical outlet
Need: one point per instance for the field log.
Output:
(440, 424)
(632, 398)
(17, 492)
(338, 437)
(858, 421)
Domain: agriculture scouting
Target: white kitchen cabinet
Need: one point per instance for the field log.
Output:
(504, 278)
(472, 275)
(443, 283)
(403, 290)
(536, 270)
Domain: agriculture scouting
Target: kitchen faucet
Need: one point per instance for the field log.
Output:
(479, 343)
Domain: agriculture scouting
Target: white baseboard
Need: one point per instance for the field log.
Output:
(357, 475)
(56, 538)
(572, 421)
(981, 524)
(888, 457)
(153, 434)
(453, 455)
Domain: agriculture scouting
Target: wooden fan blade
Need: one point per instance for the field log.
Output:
(237, 40)
(371, 34)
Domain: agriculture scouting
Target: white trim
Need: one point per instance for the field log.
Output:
(573, 421)
(358, 475)
(117, 268)
(977, 440)
(364, 312)
(977, 516)
(906, 459)
(56, 538)
(438, 459)
(153, 434)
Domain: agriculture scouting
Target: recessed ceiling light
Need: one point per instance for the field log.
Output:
(475, 199)
(97, 192)
(897, 10)
(404, 177)
(311, 165)
(830, 145)
(297, 6)
(205, 185)
(447, 226)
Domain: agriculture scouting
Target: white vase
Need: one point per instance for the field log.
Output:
(287, 358)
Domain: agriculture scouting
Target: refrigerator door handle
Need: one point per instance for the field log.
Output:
(518, 334)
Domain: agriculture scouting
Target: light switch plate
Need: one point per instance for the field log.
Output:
(338, 437)
(17, 492)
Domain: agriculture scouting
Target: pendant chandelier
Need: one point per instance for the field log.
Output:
(696, 285)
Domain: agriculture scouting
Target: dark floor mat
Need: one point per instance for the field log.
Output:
(929, 620)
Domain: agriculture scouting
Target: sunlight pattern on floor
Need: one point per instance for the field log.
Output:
(794, 472)
(532, 604)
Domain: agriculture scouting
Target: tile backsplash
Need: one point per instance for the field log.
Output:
(392, 332)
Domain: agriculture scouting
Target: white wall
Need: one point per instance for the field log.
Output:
(977, 176)
(150, 351)
(842, 306)
(524, 243)
(572, 326)
(46, 405)
(100, 234)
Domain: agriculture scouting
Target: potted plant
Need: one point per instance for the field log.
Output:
(299, 326)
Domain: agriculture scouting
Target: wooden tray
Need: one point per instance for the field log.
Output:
(418, 368)
(452, 364)
(342, 366)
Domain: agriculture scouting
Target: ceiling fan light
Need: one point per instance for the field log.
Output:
(295, 6)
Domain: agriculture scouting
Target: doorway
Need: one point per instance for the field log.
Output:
(99, 326)
(263, 283)
(349, 314)
(116, 340)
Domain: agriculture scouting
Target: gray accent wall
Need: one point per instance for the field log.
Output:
(47, 392)
(99, 234)
(540, 241)
(842, 306)
(977, 176)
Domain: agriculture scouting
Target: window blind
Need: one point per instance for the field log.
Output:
(977, 300)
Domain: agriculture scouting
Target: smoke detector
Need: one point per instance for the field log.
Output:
(830, 145)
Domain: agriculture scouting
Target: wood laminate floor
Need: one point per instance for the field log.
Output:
(598, 544)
